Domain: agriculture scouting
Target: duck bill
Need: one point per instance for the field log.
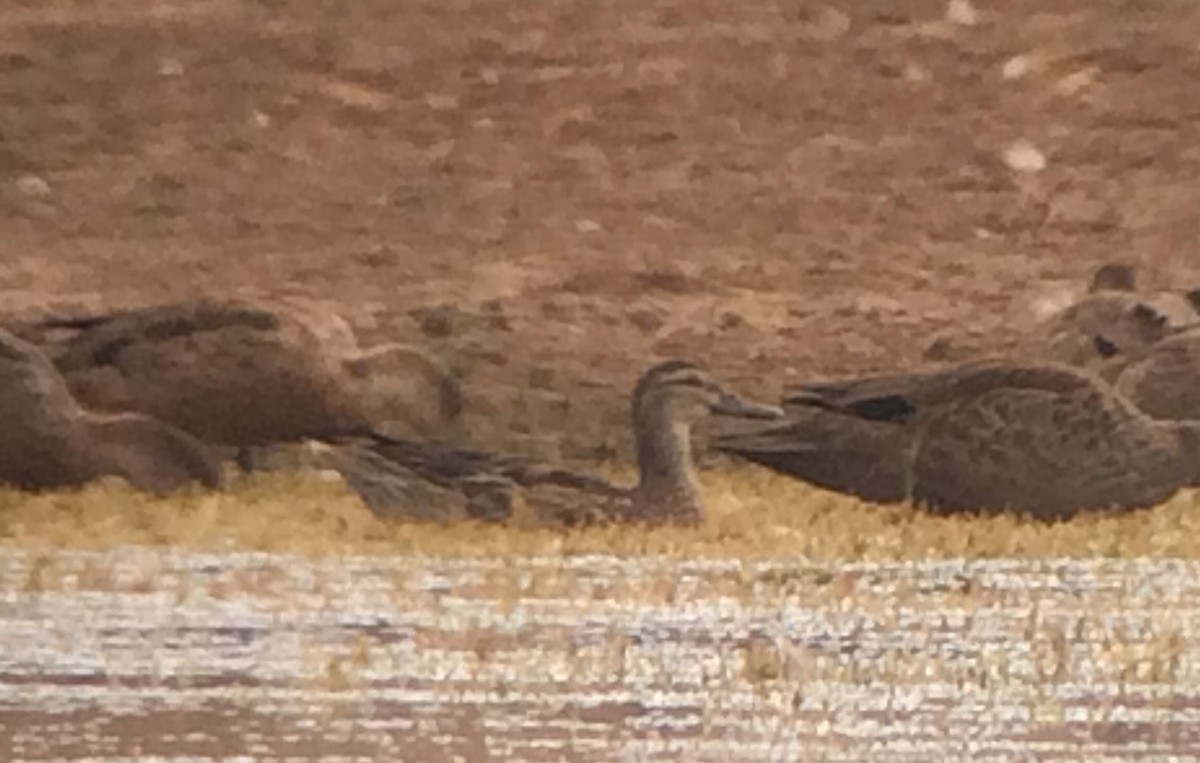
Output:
(732, 405)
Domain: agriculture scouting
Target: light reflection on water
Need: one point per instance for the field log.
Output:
(156, 652)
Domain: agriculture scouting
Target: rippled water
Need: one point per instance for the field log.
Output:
(157, 654)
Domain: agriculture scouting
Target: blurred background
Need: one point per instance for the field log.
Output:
(552, 195)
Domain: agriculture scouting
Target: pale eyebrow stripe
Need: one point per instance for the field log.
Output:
(690, 379)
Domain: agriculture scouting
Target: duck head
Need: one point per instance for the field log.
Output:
(668, 400)
(684, 393)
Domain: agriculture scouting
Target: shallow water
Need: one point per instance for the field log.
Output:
(146, 654)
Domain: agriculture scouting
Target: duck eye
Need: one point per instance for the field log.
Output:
(1104, 346)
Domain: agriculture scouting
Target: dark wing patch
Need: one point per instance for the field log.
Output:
(446, 465)
(885, 408)
(898, 397)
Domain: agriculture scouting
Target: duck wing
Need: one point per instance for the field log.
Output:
(439, 482)
(98, 339)
(447, 464)
(962, 438)
(225, 371)
(832, 449)
(897, 398)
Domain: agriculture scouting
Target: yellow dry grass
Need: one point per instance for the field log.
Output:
(752, 514)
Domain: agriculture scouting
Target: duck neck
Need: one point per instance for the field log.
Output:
(666, 487)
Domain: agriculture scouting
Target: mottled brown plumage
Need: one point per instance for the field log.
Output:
(393, 490)
(1045, 440)
(228, 372)
(1112, 318)
(1088, 331)
(1148, 346)
(668, 399)
(50, 441)
(1164, 379)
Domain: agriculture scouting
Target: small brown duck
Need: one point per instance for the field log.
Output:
(50, 441)
(1045, 440)
(667, 400)
(1113, 316)
(1180, 309)
(228, 372)
(1151, 357)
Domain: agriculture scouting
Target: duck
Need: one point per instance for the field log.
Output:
(1113, 316)
(1045, 440)
(1149, 355)
(1110, 281)
(232, 373)
(667, 401)
(51, 441)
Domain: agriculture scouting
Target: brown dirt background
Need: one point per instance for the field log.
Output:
(552, 195)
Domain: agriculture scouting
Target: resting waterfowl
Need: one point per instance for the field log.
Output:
(667, 400)
(228, 372)
(1151, 357)
(1113, 314)
(50, 441)
(1046, 440)
(1180, 309)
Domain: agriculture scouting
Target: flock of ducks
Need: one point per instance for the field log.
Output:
(161, 396)
(1113, 422)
